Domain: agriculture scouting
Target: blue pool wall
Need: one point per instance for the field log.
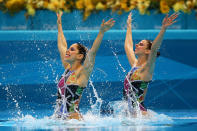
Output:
(30, 65)
(46, 20)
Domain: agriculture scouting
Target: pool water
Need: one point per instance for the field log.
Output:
(42, 119)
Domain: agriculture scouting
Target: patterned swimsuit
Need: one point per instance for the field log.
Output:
(134, 89)
(69, 95)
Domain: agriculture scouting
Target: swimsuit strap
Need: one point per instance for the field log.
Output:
(67, 74)
(132, 71)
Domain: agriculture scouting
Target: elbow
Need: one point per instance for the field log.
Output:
(92, 53)
(154, 48)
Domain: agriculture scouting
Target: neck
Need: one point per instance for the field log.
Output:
(75, 66)
(141, 60)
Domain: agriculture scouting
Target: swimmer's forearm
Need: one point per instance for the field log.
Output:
(105, 26)
(155, 46)
(61, 38)
(129, 39)
(97, 43)
(90, 59)
(167, 21)
(158, 40)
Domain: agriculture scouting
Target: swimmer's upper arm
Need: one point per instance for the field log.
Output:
(130, 54)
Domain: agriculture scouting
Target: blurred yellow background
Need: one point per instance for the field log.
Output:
(90, 6)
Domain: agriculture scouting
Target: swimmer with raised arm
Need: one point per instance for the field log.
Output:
(78, 64)
(138, 78)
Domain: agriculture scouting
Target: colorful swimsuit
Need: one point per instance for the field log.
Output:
(69, 94)
(134, 89)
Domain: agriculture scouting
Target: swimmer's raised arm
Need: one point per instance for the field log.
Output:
(90, 59)
(167, 21)
(62, 44)
(129, 42)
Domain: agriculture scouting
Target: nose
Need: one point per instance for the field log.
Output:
(67, 51)
(136, 45)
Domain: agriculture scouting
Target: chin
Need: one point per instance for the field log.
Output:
(66, 60)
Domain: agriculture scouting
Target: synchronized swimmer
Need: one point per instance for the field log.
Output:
(138, 78)
(78, 63)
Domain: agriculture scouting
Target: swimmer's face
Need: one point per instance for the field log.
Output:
(72, 54)
(142, 48)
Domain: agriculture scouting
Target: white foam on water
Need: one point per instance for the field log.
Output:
(152, 118)
(185, 118)
(92, 120)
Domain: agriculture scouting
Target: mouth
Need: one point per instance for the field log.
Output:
(67, 55)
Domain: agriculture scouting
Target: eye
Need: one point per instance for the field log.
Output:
(72, 49)
(141, 44)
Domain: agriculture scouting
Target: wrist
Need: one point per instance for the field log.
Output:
(164, 27)
(101, 32)
(128, 26)
(59, 22)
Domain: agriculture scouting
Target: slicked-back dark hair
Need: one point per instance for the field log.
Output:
(82, 50)
(150, 45)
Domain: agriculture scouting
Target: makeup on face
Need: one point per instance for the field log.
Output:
(141, 44)
(72, 49)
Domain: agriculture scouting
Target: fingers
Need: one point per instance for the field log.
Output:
(129, 16)
(174, 22)
(105, 26)
(59, 13)
(110, 21)
(170, 20)
(173, 16)
(103, 21)
(166, 17)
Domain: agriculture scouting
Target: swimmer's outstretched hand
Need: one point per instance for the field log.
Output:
(167, 21)
(105, 26)
(129, 20)
(59, 17)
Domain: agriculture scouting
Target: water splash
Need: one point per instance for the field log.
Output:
(89, 121)
(130, 111)
(10, 96)
(116, 56)
(95, 108)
